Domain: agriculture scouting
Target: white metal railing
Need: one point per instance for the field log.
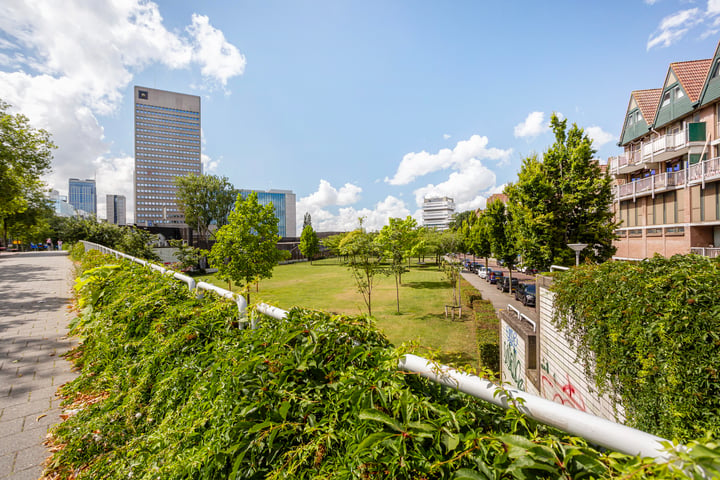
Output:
(710, 252)
(594, 429)
(522, 316)
(597, 430)
(192, 285)
(558, 267)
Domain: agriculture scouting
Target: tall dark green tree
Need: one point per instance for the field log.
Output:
(563, 199)
(479, 238)
(246, 248)
(500, 229)
(204, 200)
(309, 244)
(25, 155)
(307, 220)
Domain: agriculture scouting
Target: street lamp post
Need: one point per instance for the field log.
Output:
(577, 247)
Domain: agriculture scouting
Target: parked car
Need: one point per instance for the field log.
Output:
(496, 277)
(492, 276)
(526, 294)
(482, 271)
(506, 285)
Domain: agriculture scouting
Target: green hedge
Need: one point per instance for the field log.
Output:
(170, 388)
(651, 332)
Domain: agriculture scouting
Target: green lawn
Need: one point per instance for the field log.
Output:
(325, 285)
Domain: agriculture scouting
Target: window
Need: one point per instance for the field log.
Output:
(716, 70)
(679, 92)
(666, 98)
(143, 94)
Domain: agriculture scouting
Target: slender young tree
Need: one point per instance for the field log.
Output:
(365, 261)
(396, 239)
(309, 244)
(246, 248)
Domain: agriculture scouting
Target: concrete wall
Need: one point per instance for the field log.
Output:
(562, 377)
(513, 357)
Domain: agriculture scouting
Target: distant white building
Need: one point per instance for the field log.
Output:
(437, 212)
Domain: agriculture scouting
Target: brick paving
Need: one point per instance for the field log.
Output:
(35, 292)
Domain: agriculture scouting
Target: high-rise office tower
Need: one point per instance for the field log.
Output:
(284, 203)
(167, 145)
(115, 205)
(83, 195)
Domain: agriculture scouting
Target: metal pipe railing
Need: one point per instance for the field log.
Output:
(192, 285)
(597, 430)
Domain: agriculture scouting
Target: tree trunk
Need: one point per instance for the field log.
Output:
(397, 293)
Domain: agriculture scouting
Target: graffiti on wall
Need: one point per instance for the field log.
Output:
(512, 358)
(560, 390)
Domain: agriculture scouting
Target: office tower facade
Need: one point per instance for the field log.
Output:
(284, 203)
(60, 204)
(115, 205)
(437, 212)
(82, 195)
(167, 145)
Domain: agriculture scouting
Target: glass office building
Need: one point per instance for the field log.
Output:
(83, 195)
(284, 203)
(167, 145)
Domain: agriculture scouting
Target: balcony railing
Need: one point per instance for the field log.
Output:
(699, 173)
(665, 143)
(706, 252)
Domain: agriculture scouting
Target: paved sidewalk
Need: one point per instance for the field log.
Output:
(34, 296)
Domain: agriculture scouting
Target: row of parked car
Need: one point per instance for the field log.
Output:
(524, 291)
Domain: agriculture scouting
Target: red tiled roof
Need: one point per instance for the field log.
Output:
(692, 76)
(648, 101)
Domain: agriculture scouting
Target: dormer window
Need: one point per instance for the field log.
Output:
(716, 70)
(666, 99)
(679, 93)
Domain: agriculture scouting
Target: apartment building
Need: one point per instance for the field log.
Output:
(167, 145)
(667, 181)
(437, 212)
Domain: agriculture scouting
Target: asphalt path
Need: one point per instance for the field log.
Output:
(490, 292)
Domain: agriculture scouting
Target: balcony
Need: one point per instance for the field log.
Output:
(626, 163)
(706, 171)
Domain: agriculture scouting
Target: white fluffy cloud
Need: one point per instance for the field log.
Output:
(467, 186)
(323, 204)
(72, 61)
(533, 125)
(599, 136)
(673, 27)
(414, 165)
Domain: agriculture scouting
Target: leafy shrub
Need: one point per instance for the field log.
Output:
(650, 331)
(77, 251)
(170, 389)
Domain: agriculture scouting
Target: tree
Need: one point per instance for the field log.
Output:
(246, 248)
(205, 199)
(459, 218)
(396, 240)
(479, 238)
(364, 259)
(500, 229)
(332, 243)
(307, 220)
(309, 244)
(565, 198)
(25, 155)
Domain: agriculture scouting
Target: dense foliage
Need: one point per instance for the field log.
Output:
(205, 200)
(25, 155)
(563, 198)
(133, 241)
(170, 388)
(650, 331)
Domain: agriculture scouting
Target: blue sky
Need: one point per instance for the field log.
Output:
(360, 108)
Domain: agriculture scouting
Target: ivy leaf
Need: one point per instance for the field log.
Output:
(377, 416)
